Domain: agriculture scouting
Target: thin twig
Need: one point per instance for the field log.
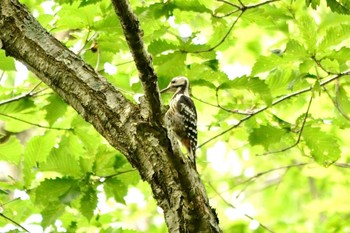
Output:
(336, 102)
(280, 100)
(222, 39)
(249, 112)
(225, 15)
(299, 134)
(14, 222)
(2, 75)
(9, 219)
(342, 165)
(240, 2)
(119, 173)
(248, 181)
(118, 64)
(15, 199)
(244, 214)
(124, 63)
(242, 7)
(34, 124)
(28, 94)
(318, 62)
(260, 4)
(98, 58)
(223, 108)
(85, 42)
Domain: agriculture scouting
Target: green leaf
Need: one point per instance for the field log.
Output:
(75, 146)
(338, 7)
(11, 151)
(23, 109)
(223, 9)
(165, 64)
(295, 50)
(308, 31)
(15, 107)
(119, 230)
(109, 25)
(128, 175)
(62, 162)
(192, 5)
(323, 146)
(334, 36)
(266, 135)
(313, 3)
(266, 63)
(88, 202)
(306, 66)
(72, 193)
(342, 54)
(52, 190)
(51, 213)
(159, 46)
(330, 65)
(343, 100)
(116, 188)
(82, 20)
(38, 148)
(205, 74)
(88, 139)
(255, 85)
(88, 2)
(6, 63)
(280, 81)
(203, 83)
(105, 161)
(55, 109)
(316, 89)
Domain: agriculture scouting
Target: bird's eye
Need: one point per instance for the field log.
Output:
(173, 81)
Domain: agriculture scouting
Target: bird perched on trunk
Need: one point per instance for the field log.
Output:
(182, 115)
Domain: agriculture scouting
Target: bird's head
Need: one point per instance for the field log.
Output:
(177, 84)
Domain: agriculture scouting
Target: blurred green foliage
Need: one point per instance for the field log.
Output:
(270, 81)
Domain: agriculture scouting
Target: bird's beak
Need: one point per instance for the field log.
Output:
(166, 89)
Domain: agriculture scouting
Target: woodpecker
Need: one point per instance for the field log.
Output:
(182, 115)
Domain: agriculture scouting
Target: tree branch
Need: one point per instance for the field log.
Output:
(143, 61)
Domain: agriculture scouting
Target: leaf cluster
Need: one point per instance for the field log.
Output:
(270, 82)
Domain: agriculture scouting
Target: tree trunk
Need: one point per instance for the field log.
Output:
(135, 130)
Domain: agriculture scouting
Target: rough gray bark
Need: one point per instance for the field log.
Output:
(135, 130)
